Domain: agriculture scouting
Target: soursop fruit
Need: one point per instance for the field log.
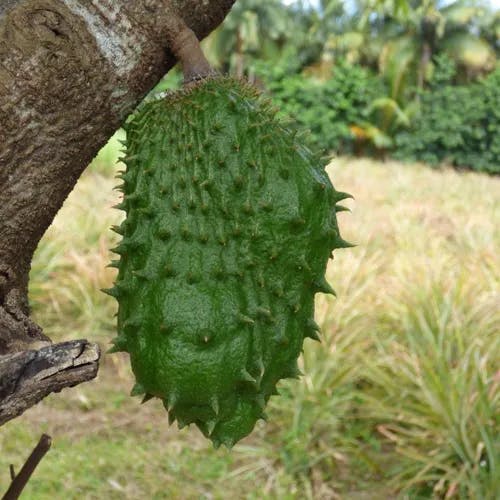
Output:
(230, 222)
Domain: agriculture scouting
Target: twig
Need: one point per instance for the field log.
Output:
(20, 481)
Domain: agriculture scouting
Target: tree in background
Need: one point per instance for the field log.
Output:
(309, 44)
(254, 30)
(399, 39)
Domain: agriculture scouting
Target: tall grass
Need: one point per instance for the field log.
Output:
(434, 392)
(400, 400)
(431, 377)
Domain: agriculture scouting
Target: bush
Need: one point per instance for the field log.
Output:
(459, 125)
(327, 108)
(454, 124)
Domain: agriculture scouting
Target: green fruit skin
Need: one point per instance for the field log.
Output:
(229, 225)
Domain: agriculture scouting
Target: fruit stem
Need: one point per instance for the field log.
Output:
(186, 48)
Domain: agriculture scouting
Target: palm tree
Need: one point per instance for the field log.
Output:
(255, 29)
(401, 38)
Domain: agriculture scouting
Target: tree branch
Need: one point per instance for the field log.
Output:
(71, 71)
(27, 377)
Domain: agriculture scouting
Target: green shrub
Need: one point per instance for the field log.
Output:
(327, 108)
(459, 125)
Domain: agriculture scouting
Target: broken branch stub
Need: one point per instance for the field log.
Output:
(27, 377)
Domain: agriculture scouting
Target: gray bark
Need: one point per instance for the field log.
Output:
(27, 377)
(71, 71)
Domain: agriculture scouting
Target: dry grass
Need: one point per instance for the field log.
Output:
(432, 319)
(399, 401)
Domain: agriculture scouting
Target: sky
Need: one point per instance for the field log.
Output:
(494, 3)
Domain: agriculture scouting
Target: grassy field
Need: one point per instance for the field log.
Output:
(400, 400)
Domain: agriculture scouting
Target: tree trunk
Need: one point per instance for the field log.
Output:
(70, 73)
(425, 59)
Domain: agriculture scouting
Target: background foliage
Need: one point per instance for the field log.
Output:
(457, 124)
(366, 77)
(329, 108)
